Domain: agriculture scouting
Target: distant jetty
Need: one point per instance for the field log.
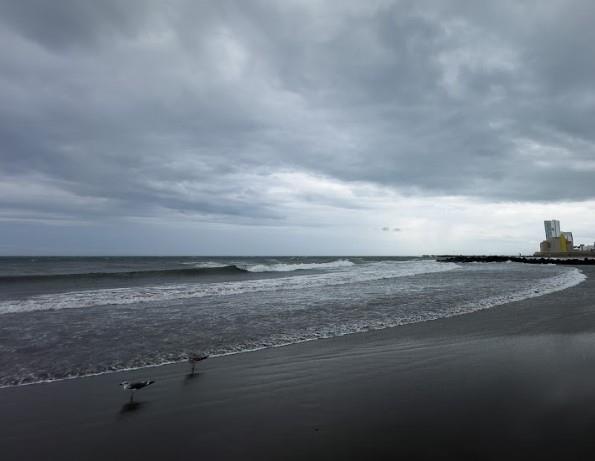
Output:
(585, 261)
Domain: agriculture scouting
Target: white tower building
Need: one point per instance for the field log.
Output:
(552, 229)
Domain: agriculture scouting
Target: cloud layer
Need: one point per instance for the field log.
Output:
(289, 114)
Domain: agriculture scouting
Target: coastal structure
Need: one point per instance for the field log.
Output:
(559, 243)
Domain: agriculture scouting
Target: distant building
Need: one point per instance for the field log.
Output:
(558, 243)
(552, 229)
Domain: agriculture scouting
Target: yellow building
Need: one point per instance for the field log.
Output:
(556, 245)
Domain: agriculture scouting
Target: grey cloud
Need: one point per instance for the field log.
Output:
(189, 106)
(72, 24)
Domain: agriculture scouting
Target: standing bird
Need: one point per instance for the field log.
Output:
(132, 387)
(193, 359)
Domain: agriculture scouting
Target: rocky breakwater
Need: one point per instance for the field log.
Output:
(570, 261)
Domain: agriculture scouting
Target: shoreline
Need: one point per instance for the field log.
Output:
(510, 382)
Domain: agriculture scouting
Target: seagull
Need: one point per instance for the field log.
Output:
(193, 359)
(132, 387)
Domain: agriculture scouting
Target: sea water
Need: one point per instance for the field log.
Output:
(70, 317)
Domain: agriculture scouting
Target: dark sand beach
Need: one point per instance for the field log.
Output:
(512, 382)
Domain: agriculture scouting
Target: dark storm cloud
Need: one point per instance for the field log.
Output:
(132, 108)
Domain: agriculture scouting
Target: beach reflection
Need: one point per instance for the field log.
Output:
(131, 407)
(190, 377)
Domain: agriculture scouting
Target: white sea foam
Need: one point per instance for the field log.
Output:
(273, 267)
(298, 266)
(132, 295)
(204, 264)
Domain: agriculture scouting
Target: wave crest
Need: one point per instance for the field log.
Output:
(281, 267)
(164, 273)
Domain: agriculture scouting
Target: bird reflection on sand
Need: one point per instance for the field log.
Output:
(130, 407)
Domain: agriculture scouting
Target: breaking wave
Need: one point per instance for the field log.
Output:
(280, 267)
(198, 269)
(173, 292)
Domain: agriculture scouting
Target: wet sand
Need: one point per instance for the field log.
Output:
(512, 382)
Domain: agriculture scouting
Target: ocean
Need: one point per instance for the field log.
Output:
(67, 317)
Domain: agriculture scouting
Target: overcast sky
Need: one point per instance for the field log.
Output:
(295, 126)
